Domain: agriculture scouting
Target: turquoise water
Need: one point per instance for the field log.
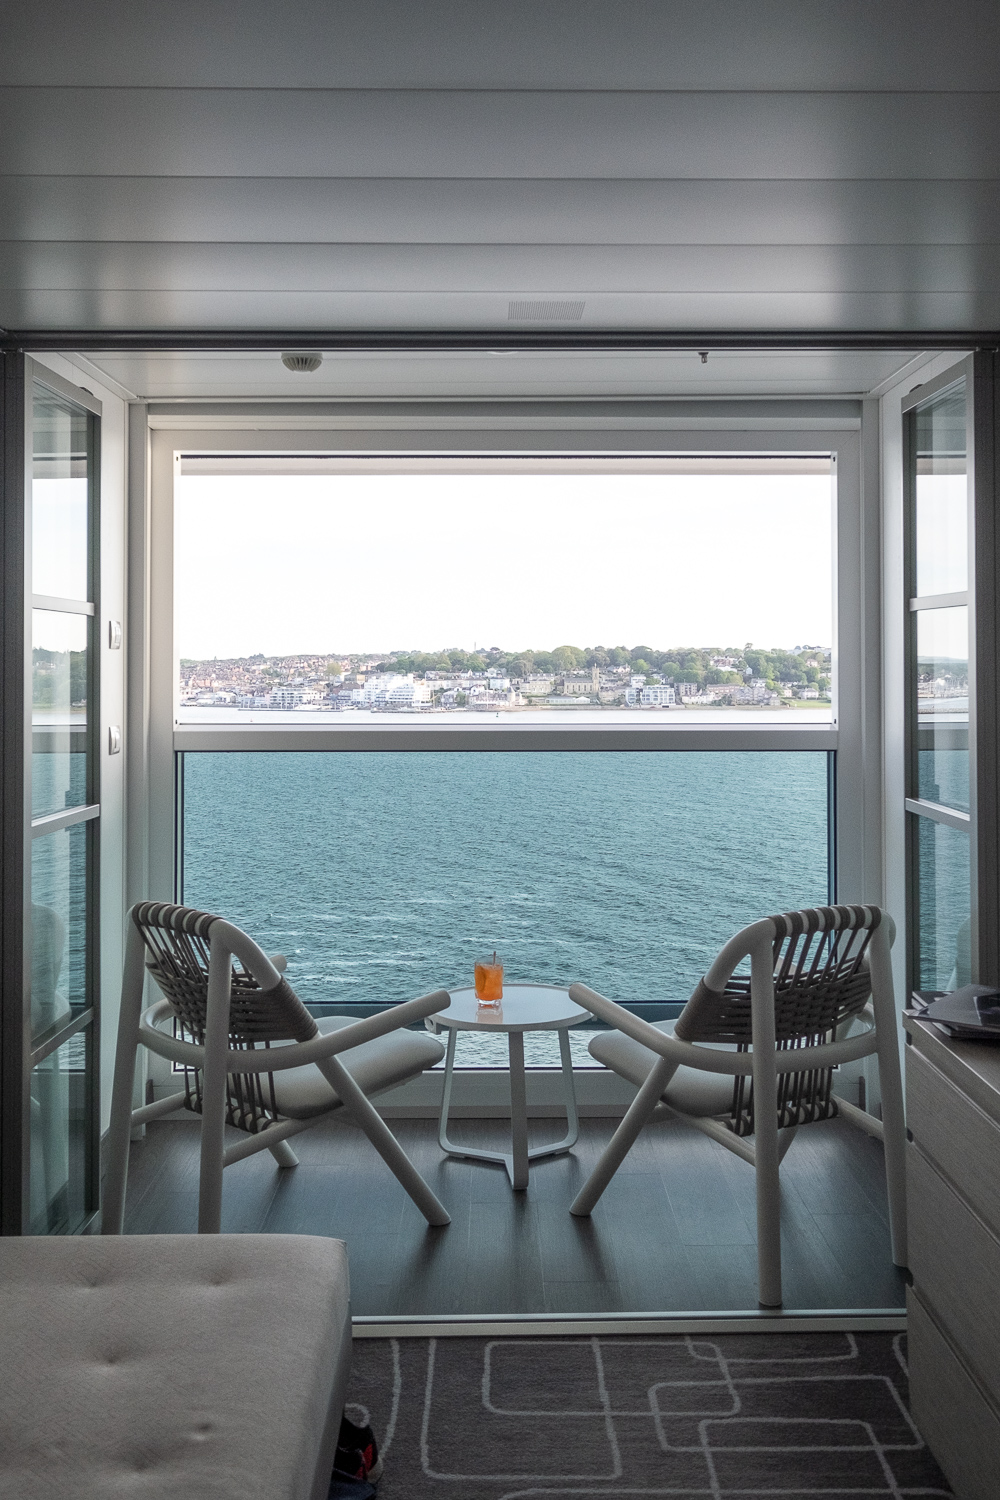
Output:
(382, 876)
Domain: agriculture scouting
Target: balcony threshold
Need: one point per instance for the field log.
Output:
(669, 1324)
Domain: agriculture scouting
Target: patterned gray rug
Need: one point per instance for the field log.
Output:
(716, 1416)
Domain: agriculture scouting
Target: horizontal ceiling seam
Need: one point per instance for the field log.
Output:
(747, 293)
(490, 244)
(567, 181)
(388, 339)
(500, 90)
(702, 181)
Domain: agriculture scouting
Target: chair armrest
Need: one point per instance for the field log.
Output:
(365, 1030)
(713, 1060)
(288, 1054)
(709, 1060)
(280, 961)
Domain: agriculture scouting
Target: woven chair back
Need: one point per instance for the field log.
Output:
(177, 945)
(821, 982)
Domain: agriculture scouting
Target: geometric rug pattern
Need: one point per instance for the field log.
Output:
(718, 1416)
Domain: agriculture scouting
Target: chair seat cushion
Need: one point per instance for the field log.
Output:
(303, 1092)
(206, 1366)
(690, 1091)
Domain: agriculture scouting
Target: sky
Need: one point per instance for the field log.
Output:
(321, 564)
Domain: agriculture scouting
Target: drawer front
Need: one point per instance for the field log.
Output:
(956, 1135)
(959, 1426)
(955, 1262)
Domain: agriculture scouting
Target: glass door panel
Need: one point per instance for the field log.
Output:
(942, 689)
(59, 1114)
(59, 686)
(941, 493)
(60, 499)
(940, 730)
(62, 1150)
(943, 916)
(59, 908)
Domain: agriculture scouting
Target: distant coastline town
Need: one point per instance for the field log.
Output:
(493, 680)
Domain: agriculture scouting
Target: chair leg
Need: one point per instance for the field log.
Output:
(385, 1143)
(213, 1102)
(894, 1146)
(891, 1085)
(624, 1138)
(133, 979)
(212, 1162)
(768, 1212)
(283, 1154)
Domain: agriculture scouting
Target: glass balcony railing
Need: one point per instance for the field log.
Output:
(383, 875)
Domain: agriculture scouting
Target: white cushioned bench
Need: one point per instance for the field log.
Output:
(195, 1367)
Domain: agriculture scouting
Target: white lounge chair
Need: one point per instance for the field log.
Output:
(253, 1056)
(774, 1038)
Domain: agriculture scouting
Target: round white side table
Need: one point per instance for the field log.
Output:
(525, 1007)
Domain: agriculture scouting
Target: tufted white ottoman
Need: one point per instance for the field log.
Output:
(188, 1366)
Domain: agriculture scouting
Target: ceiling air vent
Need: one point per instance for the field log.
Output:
(546, 312)
(303, 363)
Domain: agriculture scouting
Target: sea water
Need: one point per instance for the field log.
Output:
(384, 875)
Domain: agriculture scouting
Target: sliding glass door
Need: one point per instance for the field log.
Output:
(51, 1098)
(951, 672)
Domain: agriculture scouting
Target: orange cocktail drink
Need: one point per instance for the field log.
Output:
(489, 981)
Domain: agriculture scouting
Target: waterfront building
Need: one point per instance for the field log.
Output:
(392, 690)
(657, 695)
(284, 698)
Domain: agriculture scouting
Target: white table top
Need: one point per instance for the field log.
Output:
(525, 1007)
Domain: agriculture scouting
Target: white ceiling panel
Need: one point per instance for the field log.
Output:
(306, 312)
(510, 270)
(526, 134)
(558, 44)
(811, 167)
(554, 211)
(218, 375)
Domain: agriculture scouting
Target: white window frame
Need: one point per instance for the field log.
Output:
(846, 429)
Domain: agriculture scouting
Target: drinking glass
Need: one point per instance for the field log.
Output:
(489, 981)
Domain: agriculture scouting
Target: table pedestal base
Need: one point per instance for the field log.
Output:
(518, 1159)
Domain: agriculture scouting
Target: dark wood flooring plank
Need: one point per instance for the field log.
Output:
(654, 1266)
(503, 1270)
(824, 1162)
(861, 1244)
(704, 1203)
(726, 1276)
(573, 1249)
(584, 1297)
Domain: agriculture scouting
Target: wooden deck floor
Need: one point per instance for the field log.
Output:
(673, 1232)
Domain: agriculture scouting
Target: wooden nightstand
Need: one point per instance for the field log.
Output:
(953, 1198)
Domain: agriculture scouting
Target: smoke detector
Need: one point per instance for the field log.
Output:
(302, 363)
